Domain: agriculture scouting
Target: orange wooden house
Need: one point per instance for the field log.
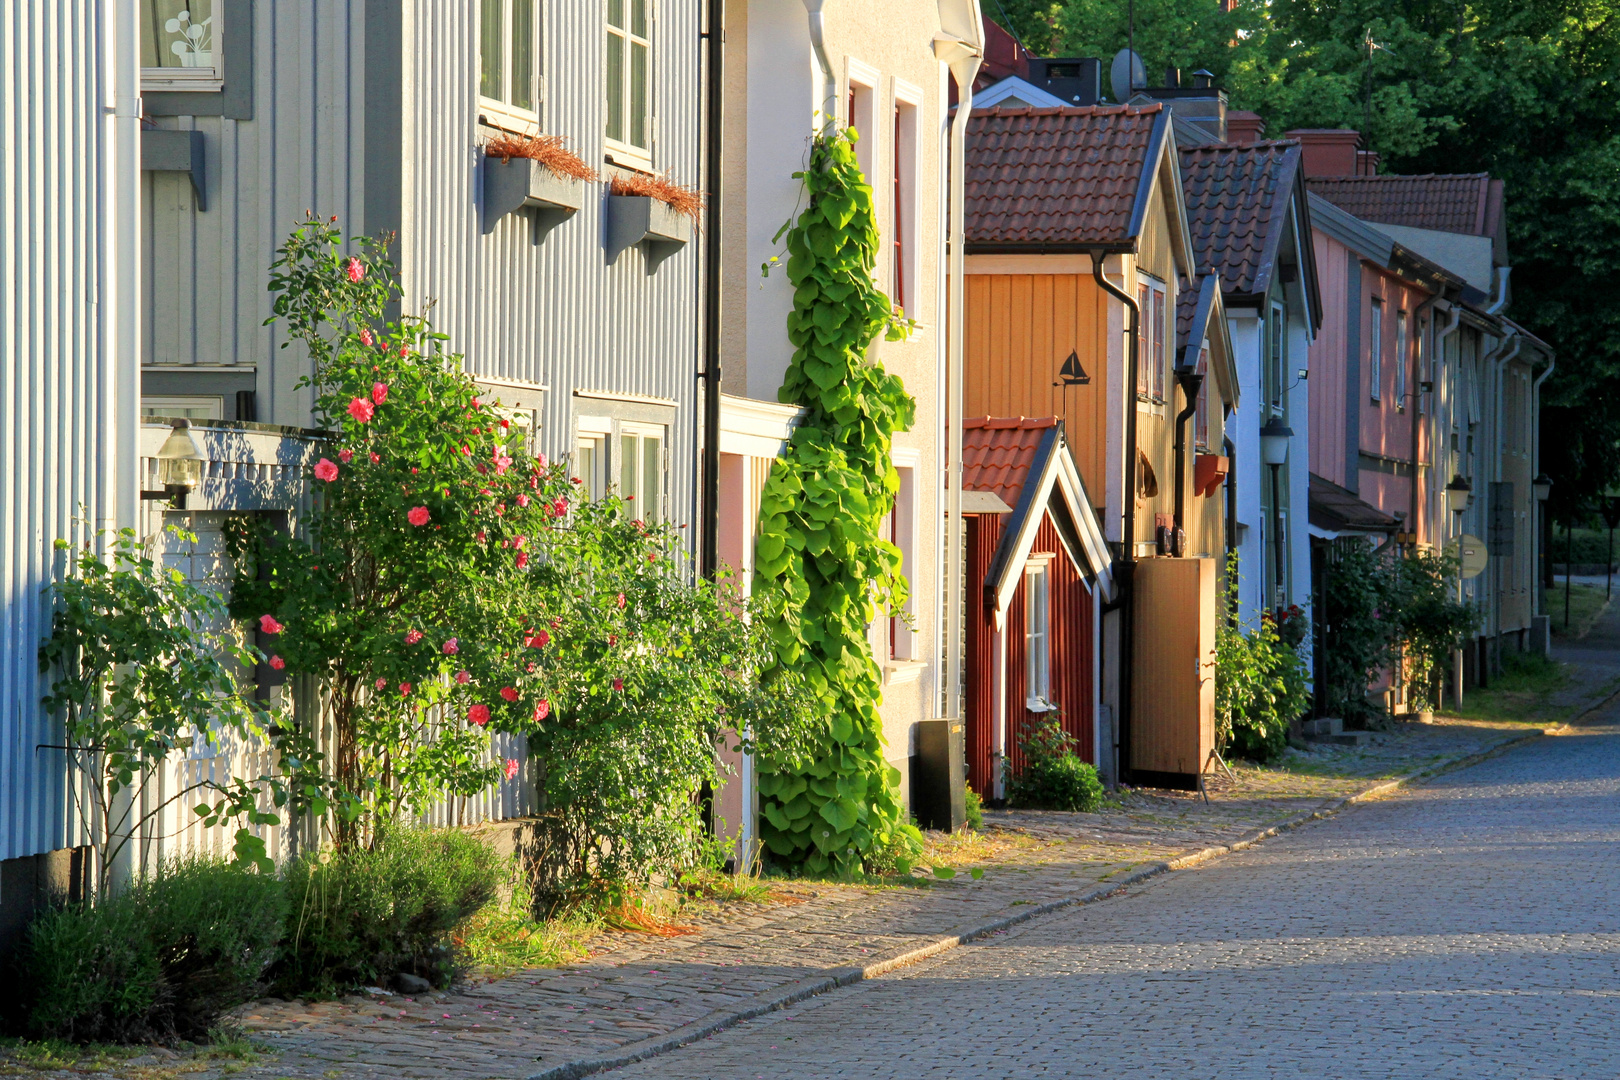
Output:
(1084, 303)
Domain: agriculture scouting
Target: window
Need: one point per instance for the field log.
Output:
(192, 407)
(590, 465)
(1037, 637)
(903, 274)
(641, 472)
(1422, 365)
(901, 530)
(1201, 422)
(861, 113)
(507, 47)
(1151, 364)
(1375, 357)
(629, 78)
(1277, 334)
(1400, 360)
(180, 44)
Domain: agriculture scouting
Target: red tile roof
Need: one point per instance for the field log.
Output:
(998, 452)
(1237, 203)
(1055, 176)
(1469, 203)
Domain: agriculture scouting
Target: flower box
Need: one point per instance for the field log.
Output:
(512, 184)
(641, 219)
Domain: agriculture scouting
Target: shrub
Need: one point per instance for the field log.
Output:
(159, 961)
(1261, 682)
(360, 917)
(975, 810)
(1053, 776)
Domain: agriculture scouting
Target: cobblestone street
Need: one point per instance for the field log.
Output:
(1464, 928)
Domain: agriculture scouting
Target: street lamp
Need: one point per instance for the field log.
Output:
(179, 466)
(1274, 452)
(1458, 493)
(1542, 486)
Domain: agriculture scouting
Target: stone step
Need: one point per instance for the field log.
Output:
(1322, 725)
(1342, 738)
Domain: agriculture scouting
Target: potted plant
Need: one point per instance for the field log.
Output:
(650, 210)
(538, 171)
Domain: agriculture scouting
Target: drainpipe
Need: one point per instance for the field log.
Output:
(1438, 441)
(1125, 568)
(962, 55)
(829, 84)
(1229, 448)
(1190, 381)
(714, 37)
(1499, 378)
(120, 290)
(1417, 319)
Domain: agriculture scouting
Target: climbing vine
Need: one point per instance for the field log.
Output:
(820, 551)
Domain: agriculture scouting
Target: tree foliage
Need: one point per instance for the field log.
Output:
(820, 555)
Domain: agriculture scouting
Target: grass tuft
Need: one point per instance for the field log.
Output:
(682, 200)
(548, 150)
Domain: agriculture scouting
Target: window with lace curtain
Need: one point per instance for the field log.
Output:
(180, 44)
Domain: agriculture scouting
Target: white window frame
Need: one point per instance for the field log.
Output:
(639, 431)
(860, 104)
(593, 436)
(1201, 417)
(1277, 360)
(904, 219)
(501, 113)
(181, 78)
(1375, 356)
(1038, 634)
(1401, 359)
(213, 406)
(902, 533)
(1153, 353)
(622, 151)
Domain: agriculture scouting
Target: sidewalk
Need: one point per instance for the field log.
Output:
(638, 995)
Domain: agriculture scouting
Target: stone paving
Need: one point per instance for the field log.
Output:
(1463, 928)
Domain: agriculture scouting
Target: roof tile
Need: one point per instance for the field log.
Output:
(1236, 196)
(998, 452)
(1055, 176)
(1468, 203)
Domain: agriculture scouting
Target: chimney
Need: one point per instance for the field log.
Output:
(1172, 78)
(1327, 151)
(1367, 162)
(1244, 128)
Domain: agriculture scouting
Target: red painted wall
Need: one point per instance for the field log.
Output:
(1072, 644)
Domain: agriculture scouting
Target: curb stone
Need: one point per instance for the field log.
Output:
(835, 978)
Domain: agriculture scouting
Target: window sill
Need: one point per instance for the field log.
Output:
(629, 157)
(504, 117)
(205, 81)
(900, 672)
(1039, 705)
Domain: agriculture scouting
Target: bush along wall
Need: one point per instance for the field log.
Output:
(820, 552)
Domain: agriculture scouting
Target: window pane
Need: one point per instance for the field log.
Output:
(489, 50)
(520, 88)
(638, 96)
(652, 480)
(615, 86)
(629, 475)
(616, 13)
(178, 33)
(1158, 343)
(585, 466)
(638, 18)
(1144, 360)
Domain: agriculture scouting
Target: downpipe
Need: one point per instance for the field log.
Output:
(714, 149)
(1190, 383)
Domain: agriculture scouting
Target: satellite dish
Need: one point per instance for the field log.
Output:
(1126, 75)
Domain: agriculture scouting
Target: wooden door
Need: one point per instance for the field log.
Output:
(1172, 723)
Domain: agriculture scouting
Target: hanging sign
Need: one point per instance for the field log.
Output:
(1473, 556)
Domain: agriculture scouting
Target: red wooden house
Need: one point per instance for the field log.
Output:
(1039, 571)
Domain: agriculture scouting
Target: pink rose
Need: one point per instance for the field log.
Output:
(621, 600)
(413, 636)
(475, 404)
(451, 647)
(522, 559)
(519, 540)
(361, 409)
(482, 536)
(346, 455)
(418, 515)
(268, 624)
(560, 507)
(540, 460)
(618, 684)
(478, 714)
(556, 623)
(500, 509)
(277, 662)
(356, 270)
(325, 470)
(404, 688)
(532, 666)
(576, 480)
(376, 458)
(613, 639)
(652, 558)
(511, 768)
(365, 336)
(463, 678)
(523, 500)
(379, 392)
(542, 709)
(539, 639)
(509, 693)
(382, 684)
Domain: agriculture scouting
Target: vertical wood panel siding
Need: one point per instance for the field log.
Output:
(1072, 651)
(55, 428)
(555, 313)
(1328, 391)
(206, 272)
